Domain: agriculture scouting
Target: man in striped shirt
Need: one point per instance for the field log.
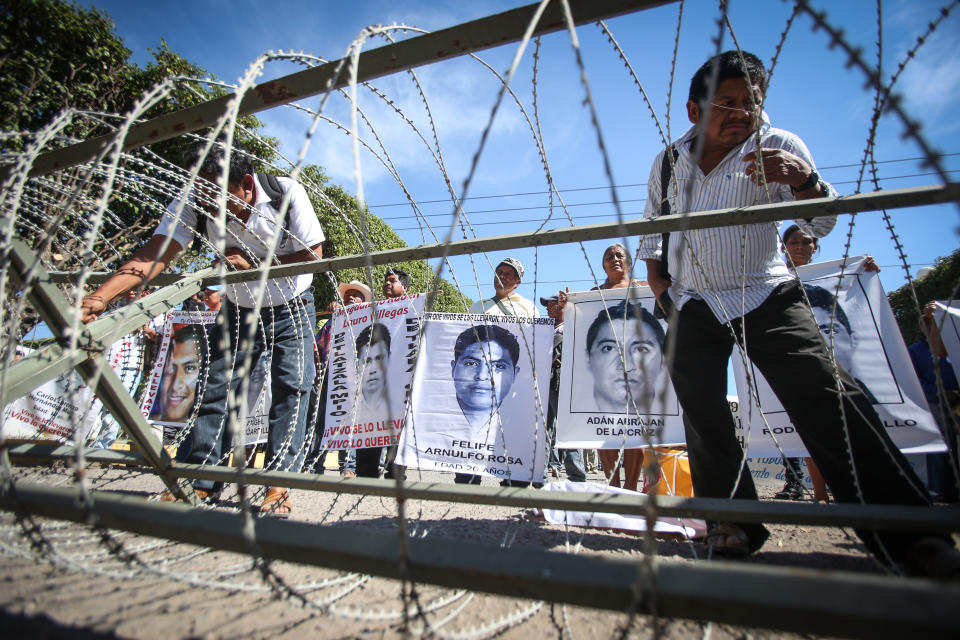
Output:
(729, 284)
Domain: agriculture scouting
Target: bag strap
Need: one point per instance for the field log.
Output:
(665, 172)
(503, 307)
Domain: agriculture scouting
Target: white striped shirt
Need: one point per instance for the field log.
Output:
(735, 268)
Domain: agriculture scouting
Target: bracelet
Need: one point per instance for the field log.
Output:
(811, 182)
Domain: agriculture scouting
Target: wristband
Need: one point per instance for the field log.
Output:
(811, 182)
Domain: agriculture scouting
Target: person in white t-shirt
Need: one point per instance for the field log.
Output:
(254, 224)
(505, 301)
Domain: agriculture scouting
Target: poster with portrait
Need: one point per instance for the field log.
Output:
(614, 386)
(55, 410)
(867, 342)
(947, 317)
(373, 349)
(176, 382)
(479, 399)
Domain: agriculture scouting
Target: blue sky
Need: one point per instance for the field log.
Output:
(811, 93)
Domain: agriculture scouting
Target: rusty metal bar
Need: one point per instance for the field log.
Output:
(861, 202)
(810, 601)
(469, 37)
(891, 517)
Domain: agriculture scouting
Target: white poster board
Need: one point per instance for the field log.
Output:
(947, 317)
(373, 349)
(479, 398)
(54, 410)
(867, 341)
(614, 386)
(176, 383)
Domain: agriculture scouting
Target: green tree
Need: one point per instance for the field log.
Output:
(342, 225)
(940, 284)
(56, 55)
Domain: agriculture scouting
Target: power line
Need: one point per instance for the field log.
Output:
(590, 217)
(625, 186)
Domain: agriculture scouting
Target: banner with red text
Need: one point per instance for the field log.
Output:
(373, 349)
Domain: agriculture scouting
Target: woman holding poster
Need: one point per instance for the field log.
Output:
(798, 251)
(618, 265)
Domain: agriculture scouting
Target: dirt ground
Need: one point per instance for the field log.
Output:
(80, 589)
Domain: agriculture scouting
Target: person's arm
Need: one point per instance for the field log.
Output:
(304, 255)
(147, 262)
(794, 168)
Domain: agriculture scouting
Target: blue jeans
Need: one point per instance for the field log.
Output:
(286, 332)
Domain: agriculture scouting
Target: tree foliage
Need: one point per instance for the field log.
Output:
(56, 55)
(940, 284)
(343, 227)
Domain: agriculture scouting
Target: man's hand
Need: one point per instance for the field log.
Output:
(237, 259)
(869, 264)
(657, 283)
(91, 307)
(778, 166)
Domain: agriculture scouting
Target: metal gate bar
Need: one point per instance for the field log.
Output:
(796, 600)
(861, 202)
(941, 519)
(469, 37)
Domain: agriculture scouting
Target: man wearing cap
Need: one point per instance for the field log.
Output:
(506, 302)
(211, 297)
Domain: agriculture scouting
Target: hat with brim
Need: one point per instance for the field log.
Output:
(213, 287)
(355, 285)
(546, 301)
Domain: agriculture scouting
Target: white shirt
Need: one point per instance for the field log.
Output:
(254, 237)
(517, 304)
(713, 264)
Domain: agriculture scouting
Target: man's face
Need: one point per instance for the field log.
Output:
(642, 358)
(392, 287)
(180, 380)
(730, 118)
(211, 298)
(800, 248)
(373, 361)
(482, 376)
(555, 310)
(505, 280)
(352, 296)
(843, 342)
(242, 192)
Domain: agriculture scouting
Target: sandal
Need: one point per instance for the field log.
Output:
(206, 497)
(727, 540)
(276, 503)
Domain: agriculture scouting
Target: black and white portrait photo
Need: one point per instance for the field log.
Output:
(477, 406)
(614, 386)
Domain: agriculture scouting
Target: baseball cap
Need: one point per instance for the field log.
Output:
(513, 262)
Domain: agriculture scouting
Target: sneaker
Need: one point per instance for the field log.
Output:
(792, 490)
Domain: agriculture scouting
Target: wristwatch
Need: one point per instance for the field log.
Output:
(811, 182)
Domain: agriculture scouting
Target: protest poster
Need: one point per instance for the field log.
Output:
(479, 398)
(867, 342)
(947, 317)
(614, 386)
(59, 409)
(373, 349)
(176, 383)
